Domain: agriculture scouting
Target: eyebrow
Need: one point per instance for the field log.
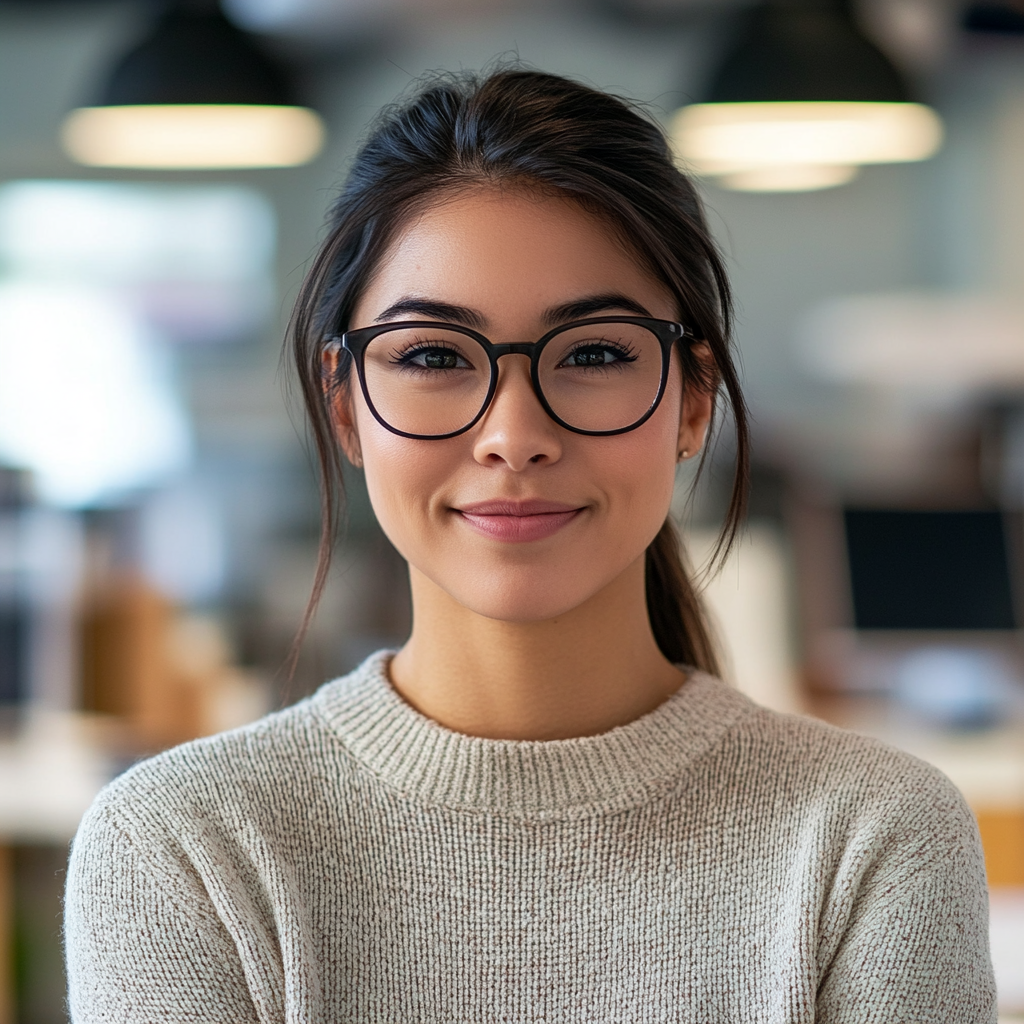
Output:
(433, 309)
(577, 309)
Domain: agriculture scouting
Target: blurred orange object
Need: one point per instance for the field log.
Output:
(1002, 836)
(128, 670)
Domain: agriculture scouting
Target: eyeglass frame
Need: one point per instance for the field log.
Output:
(668, 332)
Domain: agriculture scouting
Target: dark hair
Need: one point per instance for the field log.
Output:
(528, 129)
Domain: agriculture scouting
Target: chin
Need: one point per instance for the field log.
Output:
(523, 597)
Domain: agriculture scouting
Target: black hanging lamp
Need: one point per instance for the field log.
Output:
(801, 101)
(196, 92)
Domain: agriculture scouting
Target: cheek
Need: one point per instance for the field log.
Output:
(639, 469)
(402, 476)
(650, 451)
(395, 475)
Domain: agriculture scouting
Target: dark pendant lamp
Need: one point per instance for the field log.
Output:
(801, 101)
(197, 92)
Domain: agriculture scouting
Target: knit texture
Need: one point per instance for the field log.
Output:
(349, 860)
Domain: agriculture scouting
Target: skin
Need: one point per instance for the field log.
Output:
(548, 639)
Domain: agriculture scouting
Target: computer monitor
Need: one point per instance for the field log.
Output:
(14, 637)
(929, 570)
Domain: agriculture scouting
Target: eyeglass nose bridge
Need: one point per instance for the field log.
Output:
(515, 349)
(528, 349)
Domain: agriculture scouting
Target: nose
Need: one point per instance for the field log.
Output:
(515, 430)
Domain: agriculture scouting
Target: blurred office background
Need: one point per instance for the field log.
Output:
(158, 509)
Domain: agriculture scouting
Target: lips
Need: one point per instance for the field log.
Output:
(518, 521)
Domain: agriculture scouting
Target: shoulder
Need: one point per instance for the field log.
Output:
(796, 766)
(255, 772)
(847, 759)
(861, 791)
(811, 747)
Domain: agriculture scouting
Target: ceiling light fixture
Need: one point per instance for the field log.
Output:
(196, 93)
(802, 100)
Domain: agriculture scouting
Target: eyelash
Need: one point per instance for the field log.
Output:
(624, 352)
(405, 356)
(415, 348)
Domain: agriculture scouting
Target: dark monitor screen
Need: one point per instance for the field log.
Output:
(929, 570)
(14, 627)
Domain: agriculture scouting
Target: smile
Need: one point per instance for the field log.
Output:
(518, 521)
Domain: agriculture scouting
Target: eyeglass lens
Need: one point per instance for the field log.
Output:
(434, 381)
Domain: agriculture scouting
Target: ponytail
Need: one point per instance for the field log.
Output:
(674, 607)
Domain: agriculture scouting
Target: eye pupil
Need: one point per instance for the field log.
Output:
(441, 360)
(589, 357)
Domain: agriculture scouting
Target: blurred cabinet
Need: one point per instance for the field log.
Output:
(127, 668)
(167, 676)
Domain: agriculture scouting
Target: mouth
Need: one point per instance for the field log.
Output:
(518, 521)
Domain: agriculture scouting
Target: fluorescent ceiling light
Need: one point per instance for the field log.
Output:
(788, 177)
(193, 136)
(800, 101)
(721, 138)
(194, 93)
(794, 146)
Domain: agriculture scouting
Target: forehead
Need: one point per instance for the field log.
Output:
(499, 248)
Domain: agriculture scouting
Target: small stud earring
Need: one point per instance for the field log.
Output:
(684, 453)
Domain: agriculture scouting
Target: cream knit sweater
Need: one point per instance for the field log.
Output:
(349, 860)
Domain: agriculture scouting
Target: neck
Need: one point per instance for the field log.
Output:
(585, 672)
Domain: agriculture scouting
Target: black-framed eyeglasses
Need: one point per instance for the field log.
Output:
(429, 381)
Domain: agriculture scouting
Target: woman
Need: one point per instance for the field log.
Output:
(544, 807)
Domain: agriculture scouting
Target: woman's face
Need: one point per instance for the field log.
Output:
(518, 519)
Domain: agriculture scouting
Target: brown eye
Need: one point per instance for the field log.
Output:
(440, 360)
(590, 357)
(598, 355)
(432, 357)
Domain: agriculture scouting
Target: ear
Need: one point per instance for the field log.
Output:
(338, 396)
(698, 405)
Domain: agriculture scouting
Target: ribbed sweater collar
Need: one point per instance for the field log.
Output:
(538, 779)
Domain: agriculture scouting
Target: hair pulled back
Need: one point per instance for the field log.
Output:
(528, 129)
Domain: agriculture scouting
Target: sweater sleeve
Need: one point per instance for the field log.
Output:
(915, 949)
(143, 940)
